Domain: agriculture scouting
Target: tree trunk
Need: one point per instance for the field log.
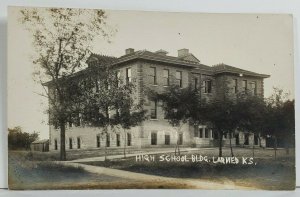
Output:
(105, 148)
(63, 156)
(124, 144)
(231, 145)
(275, 147)
(220, 143)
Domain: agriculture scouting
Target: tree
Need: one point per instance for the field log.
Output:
(180, 106)
(221, 116)
(18, 139)
(130, 113)
(280, 122)
(252, 113)
(62, 40)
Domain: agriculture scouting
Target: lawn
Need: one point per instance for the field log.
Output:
(26, 174)
(268, 173)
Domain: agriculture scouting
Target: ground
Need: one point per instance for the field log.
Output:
(30, 171)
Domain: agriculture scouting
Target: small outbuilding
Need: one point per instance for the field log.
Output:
(40, 145)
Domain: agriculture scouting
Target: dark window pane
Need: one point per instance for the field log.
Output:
(107, 140)
(153, 110)
(153, 138)
(201, 133)
(166, 77)
(167, 139)
(128, 139)
(180, 139)
(70, 143)
(118, 140)
(78, 143)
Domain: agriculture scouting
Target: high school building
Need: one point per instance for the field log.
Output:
(157, 70)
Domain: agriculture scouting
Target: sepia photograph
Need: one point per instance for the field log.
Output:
(111, 99)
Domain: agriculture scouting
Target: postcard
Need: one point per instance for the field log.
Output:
(107, 99)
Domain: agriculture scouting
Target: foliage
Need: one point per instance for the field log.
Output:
(179, 104)
(62, 39)
(18, 139)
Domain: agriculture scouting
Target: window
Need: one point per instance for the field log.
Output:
(180, 139)
(153, 75)
(166, 78)
(237, 139)
(118, 139)
(98, 141)
(179, 78)
(196, 131)
(206, 133)
(255, 140)
(78, 143)
(244, 85)
(253, 87)
(55, 144)
(128, 139)
(235, 86)
(70, 143)
(167, 139)
(153, 110)
(207, 86)
(128, 75)
(246, 141)
(107, 140)
(153, 138)
(195, 83)
(201, 133)
(118, 76)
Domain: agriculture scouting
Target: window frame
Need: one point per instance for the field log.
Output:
(153, 110)
(153, 138)
(70, 143)
(107, 144)
(167, 139)
(235, 85)
(128, 75)
(179, 79)
(244, 85)
(207, 86)
(78, 143)
(118, 140)
(55, 144)
(98, 141)
(166, 79)
(153, 75)
(129, 139)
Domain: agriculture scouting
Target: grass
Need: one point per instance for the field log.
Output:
(37, 171)
(268, 174)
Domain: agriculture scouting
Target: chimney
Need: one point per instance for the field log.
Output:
(129, 51)
(183, 52)
(161, 52)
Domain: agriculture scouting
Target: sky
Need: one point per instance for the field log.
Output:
(261, 43)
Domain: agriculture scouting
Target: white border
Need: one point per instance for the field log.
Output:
(208, 6)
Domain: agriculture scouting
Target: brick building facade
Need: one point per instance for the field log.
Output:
(157, 70)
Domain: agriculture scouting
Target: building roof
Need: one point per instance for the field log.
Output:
(189, 60)
(223, 68)
(40, 141)
(152, 56)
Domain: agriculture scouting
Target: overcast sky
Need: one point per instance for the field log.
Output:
(260, 43)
